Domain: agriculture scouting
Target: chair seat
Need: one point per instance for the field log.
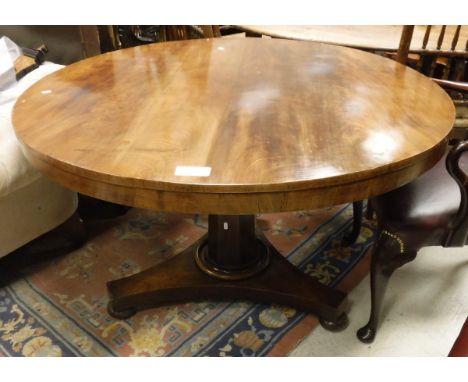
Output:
(428, 202)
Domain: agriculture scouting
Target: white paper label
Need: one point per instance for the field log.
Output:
(192, 171)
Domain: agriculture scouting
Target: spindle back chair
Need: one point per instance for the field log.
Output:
(442, 53)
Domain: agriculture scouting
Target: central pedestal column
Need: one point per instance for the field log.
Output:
(232, 251)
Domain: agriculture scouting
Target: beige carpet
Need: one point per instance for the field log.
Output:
(425, 307)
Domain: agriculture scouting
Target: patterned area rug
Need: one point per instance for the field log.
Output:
(58, 308)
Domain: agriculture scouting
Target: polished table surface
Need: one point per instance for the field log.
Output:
(369, 37)
(264, 125)
(233, 127)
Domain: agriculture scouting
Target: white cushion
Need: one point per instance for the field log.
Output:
(15, 170)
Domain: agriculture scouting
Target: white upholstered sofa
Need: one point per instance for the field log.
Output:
(30, 203)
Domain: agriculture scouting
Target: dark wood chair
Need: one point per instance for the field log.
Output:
(125, 36)
(430, 211)
(185, 32)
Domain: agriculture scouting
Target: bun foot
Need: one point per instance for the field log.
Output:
(366, 334)
(340, 324)
(120, 314)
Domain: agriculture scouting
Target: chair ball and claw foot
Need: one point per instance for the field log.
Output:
(431, 210)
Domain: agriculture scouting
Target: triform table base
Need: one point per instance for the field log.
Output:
(231, 262)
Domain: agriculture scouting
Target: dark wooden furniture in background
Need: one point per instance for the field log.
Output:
(245, 126)
(125, 36)
(71, 43)
(66, 43)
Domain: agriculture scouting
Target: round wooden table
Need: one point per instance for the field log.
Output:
(232, 128)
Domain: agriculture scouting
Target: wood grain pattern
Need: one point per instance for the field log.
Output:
(371, 37)
(283, 125)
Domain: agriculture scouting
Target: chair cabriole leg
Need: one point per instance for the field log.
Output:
(389, 254)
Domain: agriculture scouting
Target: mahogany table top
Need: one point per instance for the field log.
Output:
(234, 125)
